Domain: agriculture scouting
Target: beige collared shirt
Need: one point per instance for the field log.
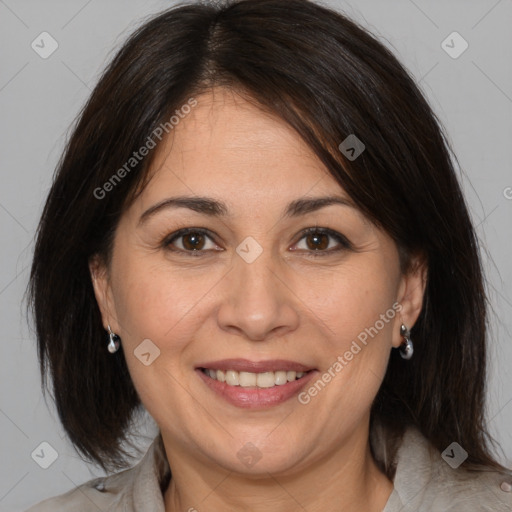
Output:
(423, 482)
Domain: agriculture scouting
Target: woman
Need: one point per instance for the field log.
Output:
(257, 235)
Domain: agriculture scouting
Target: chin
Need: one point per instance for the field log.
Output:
(259, 458)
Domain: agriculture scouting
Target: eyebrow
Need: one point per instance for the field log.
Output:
(215, 208)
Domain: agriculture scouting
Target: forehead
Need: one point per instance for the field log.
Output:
(227, 142)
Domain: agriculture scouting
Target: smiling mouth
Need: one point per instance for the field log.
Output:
(255, 380)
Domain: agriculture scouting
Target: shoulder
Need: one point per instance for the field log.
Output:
(106, 494)
(427, 480)
(136, 488)
(470, 490)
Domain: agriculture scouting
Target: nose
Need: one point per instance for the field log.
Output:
(257, 301)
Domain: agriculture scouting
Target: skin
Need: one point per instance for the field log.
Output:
(287, 304)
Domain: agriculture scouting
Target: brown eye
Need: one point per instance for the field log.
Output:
(317, 241)
(193, 241)
(322, 241)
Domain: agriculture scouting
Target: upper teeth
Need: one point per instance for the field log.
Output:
(248, 379)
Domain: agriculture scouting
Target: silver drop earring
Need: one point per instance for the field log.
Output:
(406, 348)
(113, 344)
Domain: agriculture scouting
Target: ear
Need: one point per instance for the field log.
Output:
(411, 292)
(103, 292)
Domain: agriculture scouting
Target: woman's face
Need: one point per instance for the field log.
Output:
(251, 297)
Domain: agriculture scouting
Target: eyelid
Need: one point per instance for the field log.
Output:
(167, 241)
(341, 239)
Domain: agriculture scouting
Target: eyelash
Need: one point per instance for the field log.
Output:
(342, 240)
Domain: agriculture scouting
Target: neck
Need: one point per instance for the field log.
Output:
(346, 479)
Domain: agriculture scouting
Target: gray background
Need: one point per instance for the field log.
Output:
(39, 98)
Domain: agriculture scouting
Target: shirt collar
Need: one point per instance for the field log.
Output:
(150, 480)
(412, 458)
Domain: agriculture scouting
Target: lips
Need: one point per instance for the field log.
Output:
(255, 384)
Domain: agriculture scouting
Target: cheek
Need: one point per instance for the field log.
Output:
(355, 309)
(153, 300)
(155, 304)
(351, 298)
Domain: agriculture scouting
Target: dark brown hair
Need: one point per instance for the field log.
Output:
(328, 78)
